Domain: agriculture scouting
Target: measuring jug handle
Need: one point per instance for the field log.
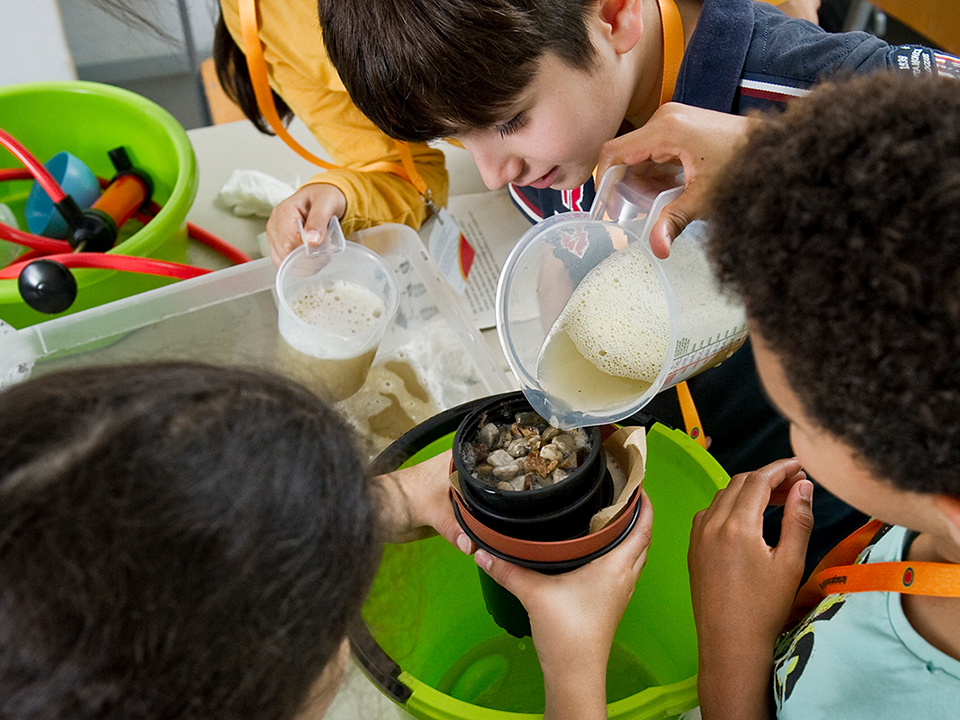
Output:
(631, 198)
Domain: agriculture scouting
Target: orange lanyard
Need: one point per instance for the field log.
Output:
(837, 573)
(673, 44)
(257, 66)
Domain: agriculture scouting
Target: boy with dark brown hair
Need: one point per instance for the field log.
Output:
(534, 88)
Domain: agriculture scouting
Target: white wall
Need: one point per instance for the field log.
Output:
(34, 47)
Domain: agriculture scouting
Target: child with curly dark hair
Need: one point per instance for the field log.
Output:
(183, 541)
(839, 225)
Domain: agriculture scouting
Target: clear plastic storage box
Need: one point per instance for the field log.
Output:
(431, 358)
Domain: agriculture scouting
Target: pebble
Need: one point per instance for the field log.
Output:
(526, 454)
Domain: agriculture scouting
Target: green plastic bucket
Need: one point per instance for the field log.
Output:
(430, 645)
(88, 120)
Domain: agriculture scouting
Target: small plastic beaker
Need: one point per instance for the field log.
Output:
(332, 311)
(593, 325)
(75, 179)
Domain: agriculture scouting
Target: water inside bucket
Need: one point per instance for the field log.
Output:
(504, 674)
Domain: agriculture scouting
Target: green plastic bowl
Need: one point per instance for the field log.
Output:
(88, 120)
(431, 646)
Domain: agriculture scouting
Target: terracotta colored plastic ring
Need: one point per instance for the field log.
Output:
(558, 556)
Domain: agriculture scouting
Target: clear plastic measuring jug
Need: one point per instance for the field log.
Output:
(593, 325)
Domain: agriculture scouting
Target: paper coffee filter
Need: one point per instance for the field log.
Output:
(627, 447)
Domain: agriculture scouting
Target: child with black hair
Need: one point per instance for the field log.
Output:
(839, 226)
(188, 541)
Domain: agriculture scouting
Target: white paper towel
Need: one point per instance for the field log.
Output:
(251, 192)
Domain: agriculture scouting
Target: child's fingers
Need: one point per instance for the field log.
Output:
(638, 541)
(782, 491)
(724, 501)
(746, 495)
(283, 233)
(673, 219)
(758, 486)
(508, 575)
(632, 551)
(771, 478)
(797, 520)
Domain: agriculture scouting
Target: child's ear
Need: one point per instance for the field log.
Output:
(949, 508)
(621, 22)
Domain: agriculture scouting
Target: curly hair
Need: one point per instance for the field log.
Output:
(839, 225)
(176, 541)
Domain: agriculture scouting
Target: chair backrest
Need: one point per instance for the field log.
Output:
(938, 20)
(222, 108)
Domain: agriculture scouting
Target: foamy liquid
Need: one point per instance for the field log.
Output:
(333, 370)
(609, 343)
(341, 307)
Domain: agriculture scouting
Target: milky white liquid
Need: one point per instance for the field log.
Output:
(609, 343)
(341, 308)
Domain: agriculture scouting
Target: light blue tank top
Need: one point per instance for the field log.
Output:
(856, 656)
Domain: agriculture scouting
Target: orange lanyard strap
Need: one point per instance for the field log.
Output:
(412, 176)
(257, 66)
(672, 47)
(691, 418)
(837, 573)
(908, 578)
(673, 44)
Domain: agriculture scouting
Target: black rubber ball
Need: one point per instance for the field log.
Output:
(47, 286)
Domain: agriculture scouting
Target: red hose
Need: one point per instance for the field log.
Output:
(205, 237)
(35, 242)
(105, 261)
(221, 246)
(36, 168)
(39, 244)
(15, 174)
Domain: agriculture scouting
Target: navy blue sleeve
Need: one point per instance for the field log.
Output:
(917, 60)
(800, 54)
(787, 57)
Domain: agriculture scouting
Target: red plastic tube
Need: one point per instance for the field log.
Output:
(36, 168)
(15, 174)
(106, 261)
(39, 244)
(34, 242)
(202, 236)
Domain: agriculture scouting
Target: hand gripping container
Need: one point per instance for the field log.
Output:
(563, 271)
(430, 644)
